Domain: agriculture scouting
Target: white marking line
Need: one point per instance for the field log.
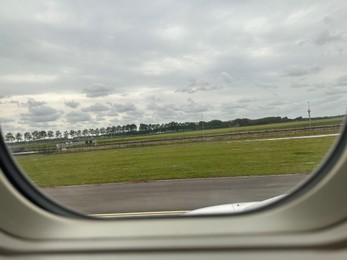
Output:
(302, 137)
(139, 214)
(285, 138)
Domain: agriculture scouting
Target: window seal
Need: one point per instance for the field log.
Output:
(22, 183)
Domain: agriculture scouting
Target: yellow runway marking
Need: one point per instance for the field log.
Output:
(139, 214)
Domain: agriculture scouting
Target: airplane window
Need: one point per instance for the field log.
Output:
(126, 109)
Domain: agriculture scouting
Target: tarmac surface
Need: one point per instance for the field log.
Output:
(171, 195)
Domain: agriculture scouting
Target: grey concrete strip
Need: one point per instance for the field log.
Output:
(172, 195)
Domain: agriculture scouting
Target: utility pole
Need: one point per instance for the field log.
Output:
(202, 125)
(309, 113)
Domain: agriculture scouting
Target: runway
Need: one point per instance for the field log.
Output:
(171, 195)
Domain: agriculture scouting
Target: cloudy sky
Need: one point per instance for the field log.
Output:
(80, 64)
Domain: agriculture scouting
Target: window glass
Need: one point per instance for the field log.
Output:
(121, 108)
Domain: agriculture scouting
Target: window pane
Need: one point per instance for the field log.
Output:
(127, 107)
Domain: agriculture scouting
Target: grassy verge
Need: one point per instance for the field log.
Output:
(177, 161)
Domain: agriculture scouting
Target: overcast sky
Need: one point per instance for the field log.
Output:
(80, 64)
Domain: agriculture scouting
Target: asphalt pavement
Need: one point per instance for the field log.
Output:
(171, 195)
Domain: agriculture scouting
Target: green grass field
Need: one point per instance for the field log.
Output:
(177, 161)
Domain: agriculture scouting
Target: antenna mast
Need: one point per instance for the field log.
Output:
(309, 113)
(202, 125)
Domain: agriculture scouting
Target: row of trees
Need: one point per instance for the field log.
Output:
(213, 124)
(142, 129)
(42, 135)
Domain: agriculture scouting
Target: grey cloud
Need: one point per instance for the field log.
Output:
(193, 107)
(233, 107)
(162, 107)
(329, 99)
(325, 37)
(226, 77)
(34, 103)
(342, 80)
(196, 86)
(17, 103)
(297, 71)
(173, 110)
(239, 105)
(191, 90)
(276, 104)
(97, 91)
(76, 116)
(314, 69)
(133, 116)
(154, 98)
(4, 120)
(41, 125)
(194, 82)
(328, 19)
(246, 100)
(98, 107)
(186, 90)
(265, 85)
(322, 85)
(336, 91)
(122, 108)
(299, 85)
(166, 111)
(294, 71)
(39, 112)
(99, 117)
(72, 104)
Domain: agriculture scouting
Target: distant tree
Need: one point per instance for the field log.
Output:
(27, 136)
(133, 128)
(42, 134)
(155, 127)
(172, 126)
(36, 135)
(50, 134)
(241, 122)
(78, 133)
(66, 135)
(143, 128)
(97, 131)
(85, 132)
(72, 133)
(19, 137)
(92, 131)
(215, 124)
(9, 137)
(58, 134)
(102, 131)
(109, 130)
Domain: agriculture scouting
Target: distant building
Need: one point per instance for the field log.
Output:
(66, 145)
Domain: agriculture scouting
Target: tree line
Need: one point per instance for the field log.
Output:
(133, 129)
